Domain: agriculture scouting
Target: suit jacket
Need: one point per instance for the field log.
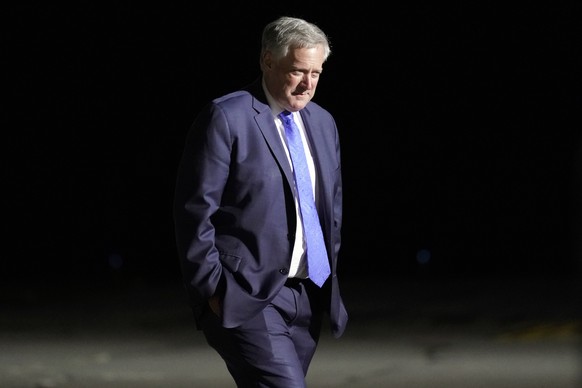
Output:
(234, 210)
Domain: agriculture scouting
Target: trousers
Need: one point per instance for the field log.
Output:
(275, 348)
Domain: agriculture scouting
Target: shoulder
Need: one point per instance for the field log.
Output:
(234, 99)
(315, 112)
(250, 99)
(231, 106)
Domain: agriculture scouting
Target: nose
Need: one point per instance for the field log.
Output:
(307, 81)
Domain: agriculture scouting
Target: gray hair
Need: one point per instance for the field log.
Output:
(287, 32)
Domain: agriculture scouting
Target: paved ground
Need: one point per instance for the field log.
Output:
(401, 334)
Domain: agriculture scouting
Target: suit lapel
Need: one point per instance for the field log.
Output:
(269, 130)
(319, 149)
(264, 120)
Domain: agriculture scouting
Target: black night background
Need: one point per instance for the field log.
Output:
(460, 128)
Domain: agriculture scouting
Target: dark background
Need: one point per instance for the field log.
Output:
(460, 127)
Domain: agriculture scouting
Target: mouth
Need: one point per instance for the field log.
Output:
(301, 93)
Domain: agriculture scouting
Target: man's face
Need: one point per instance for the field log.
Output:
(292, 80)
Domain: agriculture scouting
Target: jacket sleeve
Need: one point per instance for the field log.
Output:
(201, 177)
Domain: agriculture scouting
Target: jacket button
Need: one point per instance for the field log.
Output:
(284, 271)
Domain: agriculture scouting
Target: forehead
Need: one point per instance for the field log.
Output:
(305, 57)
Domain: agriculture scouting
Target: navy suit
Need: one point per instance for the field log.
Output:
(234, 209)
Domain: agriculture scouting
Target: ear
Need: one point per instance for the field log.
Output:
(267, 59)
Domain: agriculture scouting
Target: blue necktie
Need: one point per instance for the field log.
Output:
(317, 261)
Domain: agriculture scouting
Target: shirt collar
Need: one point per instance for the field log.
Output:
(275, 108)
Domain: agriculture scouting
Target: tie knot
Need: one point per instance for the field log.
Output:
(286, 116)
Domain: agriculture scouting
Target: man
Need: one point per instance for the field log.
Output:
(240, 226)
